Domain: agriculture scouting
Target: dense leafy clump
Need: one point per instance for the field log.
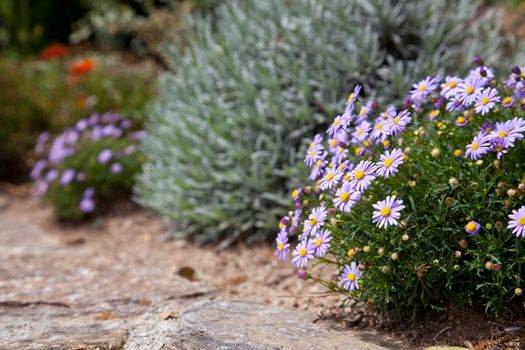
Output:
(225, 134)
(423, 208)
(88, 165)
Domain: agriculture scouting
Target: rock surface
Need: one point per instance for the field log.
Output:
(88, 294)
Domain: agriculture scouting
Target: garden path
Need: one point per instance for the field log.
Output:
(114, 284)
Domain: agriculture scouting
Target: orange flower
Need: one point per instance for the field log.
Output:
(53, 51)
(82, 66)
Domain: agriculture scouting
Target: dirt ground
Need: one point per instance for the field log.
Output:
(137, 237)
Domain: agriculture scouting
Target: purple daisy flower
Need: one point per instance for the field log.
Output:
(283, 247)
(89, 192)
(105, 156)
(346, 198)
(304, 251)
(422, 89)
(399, 123)
(468, 90)
(472, 228)
(364, 111)
(361, 131)
(387, 211)
(315, 151)
(322, 242)
(363, 174)
(483, 73)
(380, 130)
(450, 87)
(461, 121)
(389, 162)
(455, 104)
(517, 222)
(67, 176)
(331, 178)
(51, 175)
(511, 130)
(486, 128)
(478, 147)
(318, 168)
(486, 100)
(315, 220)
(500, 146)
(37, 169)
(508, 101)
(336, 126)
(351, 276)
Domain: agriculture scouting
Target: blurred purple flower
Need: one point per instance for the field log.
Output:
(41, 142)
(116, 168)
(71, 136)
(81, 176)
(125, 124)
(37, 169)
(89, 192)
(67, 177)
(93, 119)
(51, 175)
(137, 135)
(130, 150)
(87, 205)
(40, 188)
(110, 117)
(82, 124)
(59, 150)
(105, 156)
(96, 133)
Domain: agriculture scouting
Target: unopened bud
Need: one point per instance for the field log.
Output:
(407, 103)
(435, 262)
(479, 162)
(499, 225)
(366, 249)
(333, 221)
(449, 200)
(477, 61)
(385, 269)
(518, 291)
(301, 274)
(456, 267)
(488, 226)
(435, 152)
(511, 192)
(457, 254)
(474, 185)
(489, 265)
(453, 182)
(380, 251)
(496, 163)
(516, 70)
(330, 211)
(402, 224)
(405, 237)
(463, 244)
(394, 256)
(521, 187)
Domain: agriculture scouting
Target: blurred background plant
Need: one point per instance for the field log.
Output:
(87, 164)
(227, 130)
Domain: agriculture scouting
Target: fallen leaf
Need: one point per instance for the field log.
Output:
(106, 315)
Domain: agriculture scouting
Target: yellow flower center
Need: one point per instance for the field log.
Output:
(281, 245)
(281, 225)
(470, 89)
(362, 111)
(313, 221)
(351, 276)
(359, 131)
(422, 88)
(358, 150)
(457, 152)
(385, 211)
(318, 242)
(388, 162)
(336, 122)
(521, 221)
(386, 143)
(351, 252)
(366, 143)
(340, 150)
(329, 176)
(351, 97)
(379, 126)
(396, 120)
(502, 133)
(302, 251)
(507, 100)
(460, 120)
(452, 84)
(359, 174)
(471, 227)
(474, 146)
(434, 113)
(485, 100)
(312, 153)
(345, 196)
(318, 163)
(342, 165)
(346, 177)
(333, 142)
(295, 193)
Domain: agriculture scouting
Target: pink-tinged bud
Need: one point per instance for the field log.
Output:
(330, 211)
(496, 267)
(463, 244)
(477, 61)
(483, 72)
(297, 205)
(301, 274)
(407, 103)
(516, 70)
(457, 254)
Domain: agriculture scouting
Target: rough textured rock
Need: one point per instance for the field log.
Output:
(250, 326)
(56, 296)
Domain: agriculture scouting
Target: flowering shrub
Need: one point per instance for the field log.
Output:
(40, 95)
(88, 164)
(421, 208)
(227, 130)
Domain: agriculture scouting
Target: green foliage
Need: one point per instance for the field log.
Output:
(43, 95)
(427, 261)
(79, 151)
(227, 130)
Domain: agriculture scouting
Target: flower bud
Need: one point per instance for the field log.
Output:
(499, 225)
(405, 237)
(516, 70)
(301, 274)
(435, 262)
(385, 269)
(496, 267)
(435, 152)
(439, 102)
(521, 187)
(453, 182)
(489, 265)
(457, 254)
(297, 205)
(477, 61)
(449, 200)
(511, 192)
(307, 189)
(483, 72)
(407, 103)
(488, 226)
(333, 221)
(380, 251)
(518, 291)
(474, 185)
(463, 244)
(456, 267)
(479, 162)
(330, 211)
(394, 256)
(366, 249)
(496, 163)
(412, 183)
(402, 224)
